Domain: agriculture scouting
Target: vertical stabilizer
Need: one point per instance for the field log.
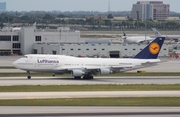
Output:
(156, 33)
(152, 50)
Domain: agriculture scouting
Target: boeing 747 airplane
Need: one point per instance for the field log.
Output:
(87, 67)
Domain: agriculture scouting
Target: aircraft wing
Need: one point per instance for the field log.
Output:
(61, 69)
(134, 66)
(97, 68)
(66, 68)
(89, 68)
(122, 66)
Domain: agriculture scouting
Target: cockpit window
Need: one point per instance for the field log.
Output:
(25, 57)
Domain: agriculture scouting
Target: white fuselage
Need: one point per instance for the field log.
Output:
(63, 64)
(138, 39)
(157, 34)
(172, 37)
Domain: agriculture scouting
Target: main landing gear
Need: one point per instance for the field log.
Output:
(29, 76)
(85, 77)
(88, 77)
(77, 77)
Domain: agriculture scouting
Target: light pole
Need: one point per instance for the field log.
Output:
(145, 23)
(145, 29)
(48, 24)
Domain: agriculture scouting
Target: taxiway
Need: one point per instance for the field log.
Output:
(9, 81)
(87, 94)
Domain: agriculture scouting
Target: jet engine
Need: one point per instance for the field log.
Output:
(105, 71)
(77, 73)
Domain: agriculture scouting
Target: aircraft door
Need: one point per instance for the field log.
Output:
(81, 64)
(56, 64)
(34, 61)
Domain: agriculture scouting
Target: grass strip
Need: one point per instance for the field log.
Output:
(7, 67)
(103, 87)
(118, 74)
(141, 101)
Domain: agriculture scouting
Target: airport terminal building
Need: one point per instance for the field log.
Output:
(29, 40)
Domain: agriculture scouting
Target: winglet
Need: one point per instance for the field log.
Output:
(152, 50)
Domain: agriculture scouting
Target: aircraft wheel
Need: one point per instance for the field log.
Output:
(53, 74)
(77, 77)
(85, 77)
(88, 77)
(91, 77)
(29, 77)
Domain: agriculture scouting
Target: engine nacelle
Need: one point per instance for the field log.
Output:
(105, 71)
(77, 73)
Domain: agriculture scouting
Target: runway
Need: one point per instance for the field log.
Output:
(90, 111)
(9, 81)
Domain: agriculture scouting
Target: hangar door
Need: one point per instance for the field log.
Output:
(114, 54)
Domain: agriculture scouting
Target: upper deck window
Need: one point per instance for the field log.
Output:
(25, 57)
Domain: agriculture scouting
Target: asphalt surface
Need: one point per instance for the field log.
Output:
(8, 60)
(8, 81)
(87, 94)
(89, 111)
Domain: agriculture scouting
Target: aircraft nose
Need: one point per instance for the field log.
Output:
(14, 63)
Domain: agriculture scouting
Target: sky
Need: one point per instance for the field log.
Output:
(79, 5)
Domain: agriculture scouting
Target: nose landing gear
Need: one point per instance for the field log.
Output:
(53, 74)
(29, 76)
